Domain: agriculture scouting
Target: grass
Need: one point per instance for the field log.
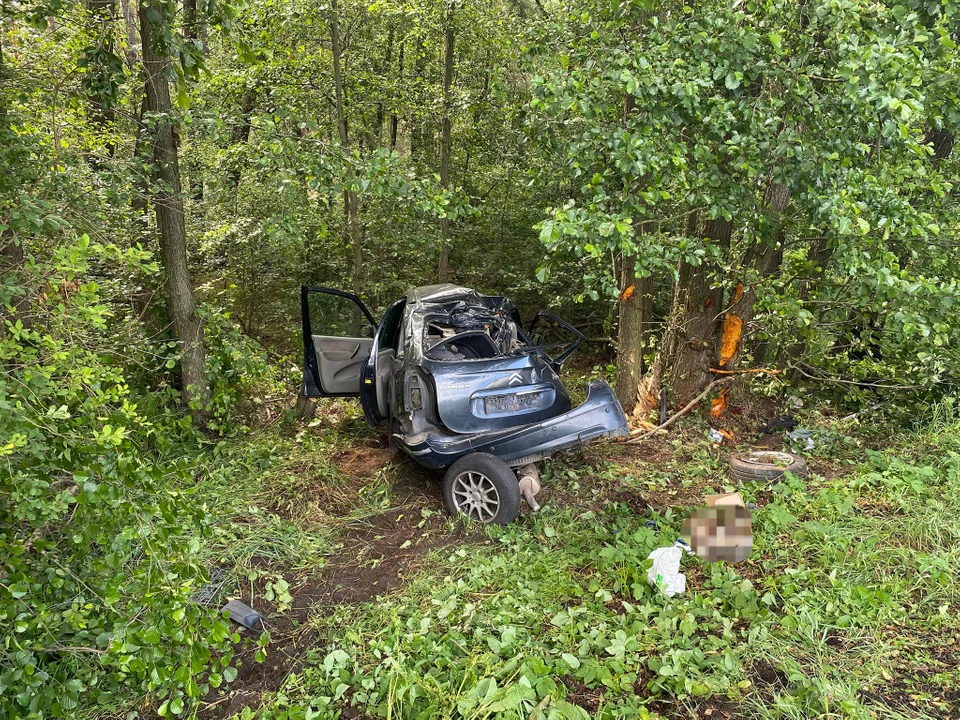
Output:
(846, 609)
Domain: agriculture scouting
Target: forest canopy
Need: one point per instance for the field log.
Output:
(765, 188)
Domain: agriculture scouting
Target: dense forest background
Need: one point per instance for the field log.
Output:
(706, 190)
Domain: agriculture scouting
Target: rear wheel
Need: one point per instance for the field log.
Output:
(483, 488)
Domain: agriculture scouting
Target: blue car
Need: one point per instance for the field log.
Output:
(461, 384)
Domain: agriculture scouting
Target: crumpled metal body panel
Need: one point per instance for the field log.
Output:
(599, 416)
(438, 410)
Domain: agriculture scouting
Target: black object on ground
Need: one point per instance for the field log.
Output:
(781, 422)
(765, 465)
(242, 614)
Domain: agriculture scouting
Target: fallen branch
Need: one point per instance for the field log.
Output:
(680, 413)
(825, 377)
(765, 371)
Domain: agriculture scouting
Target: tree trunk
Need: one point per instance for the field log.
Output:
(191, 30)
(130, 25)
(383, 73)
(102, 111)
(240, 134)
(636, 314)
(942, 141)
(350, 202)
(443, 270)
(690, 339)
(762, 260)
(394, 120)
(168, 204)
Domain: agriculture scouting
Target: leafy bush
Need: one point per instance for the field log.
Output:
(96, 579)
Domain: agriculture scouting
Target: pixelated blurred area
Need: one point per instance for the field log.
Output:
(724, 532)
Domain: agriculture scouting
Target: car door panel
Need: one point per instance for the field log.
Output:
(337, 342)
(340, 361)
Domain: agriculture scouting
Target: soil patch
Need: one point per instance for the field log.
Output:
(579, 694)
(363, 461)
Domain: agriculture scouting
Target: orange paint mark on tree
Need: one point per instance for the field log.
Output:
(628, 293)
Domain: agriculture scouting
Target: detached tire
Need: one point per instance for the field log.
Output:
(766, 465)
(483, 488)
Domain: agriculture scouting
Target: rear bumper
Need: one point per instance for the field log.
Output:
(599, 416)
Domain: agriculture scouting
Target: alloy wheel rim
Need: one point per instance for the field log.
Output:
(475, 495)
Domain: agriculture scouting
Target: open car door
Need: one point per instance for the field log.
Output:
(554, 337)
(337, 337)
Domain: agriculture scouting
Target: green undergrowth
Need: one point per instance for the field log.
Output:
(847, 608)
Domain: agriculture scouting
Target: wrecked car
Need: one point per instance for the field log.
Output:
(461, 384)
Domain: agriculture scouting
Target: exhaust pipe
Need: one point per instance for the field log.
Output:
(529, 478)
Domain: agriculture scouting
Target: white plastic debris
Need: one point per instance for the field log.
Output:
(715, 436)
(802, 435)
(665, 573)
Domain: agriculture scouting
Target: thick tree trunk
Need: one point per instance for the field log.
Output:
(636, 314)
(762, 260)
(443, 270)
(168, 204)
(350, 202)
(690, 339)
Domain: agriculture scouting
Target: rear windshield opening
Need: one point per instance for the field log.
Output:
(462, 330)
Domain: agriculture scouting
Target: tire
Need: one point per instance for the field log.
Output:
(766, 465)
(483, 477)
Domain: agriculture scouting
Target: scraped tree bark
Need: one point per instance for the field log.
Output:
(168, 204)
(443, 270)
(350, 201)
(763, 259)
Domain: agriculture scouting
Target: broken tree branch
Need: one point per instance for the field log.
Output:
(681, 412)
(765, 371)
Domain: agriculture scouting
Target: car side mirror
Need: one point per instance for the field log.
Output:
(367, 331)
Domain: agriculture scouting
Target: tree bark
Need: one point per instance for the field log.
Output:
(388, 56)
(240, 134)
(394, 119)
(762, 260)
(102, 112)
(168, 204)
(636, 314)
(350, 202)
(443, 269)
(130, 25)
(191, 30)
(690, 340)
(12, 256)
